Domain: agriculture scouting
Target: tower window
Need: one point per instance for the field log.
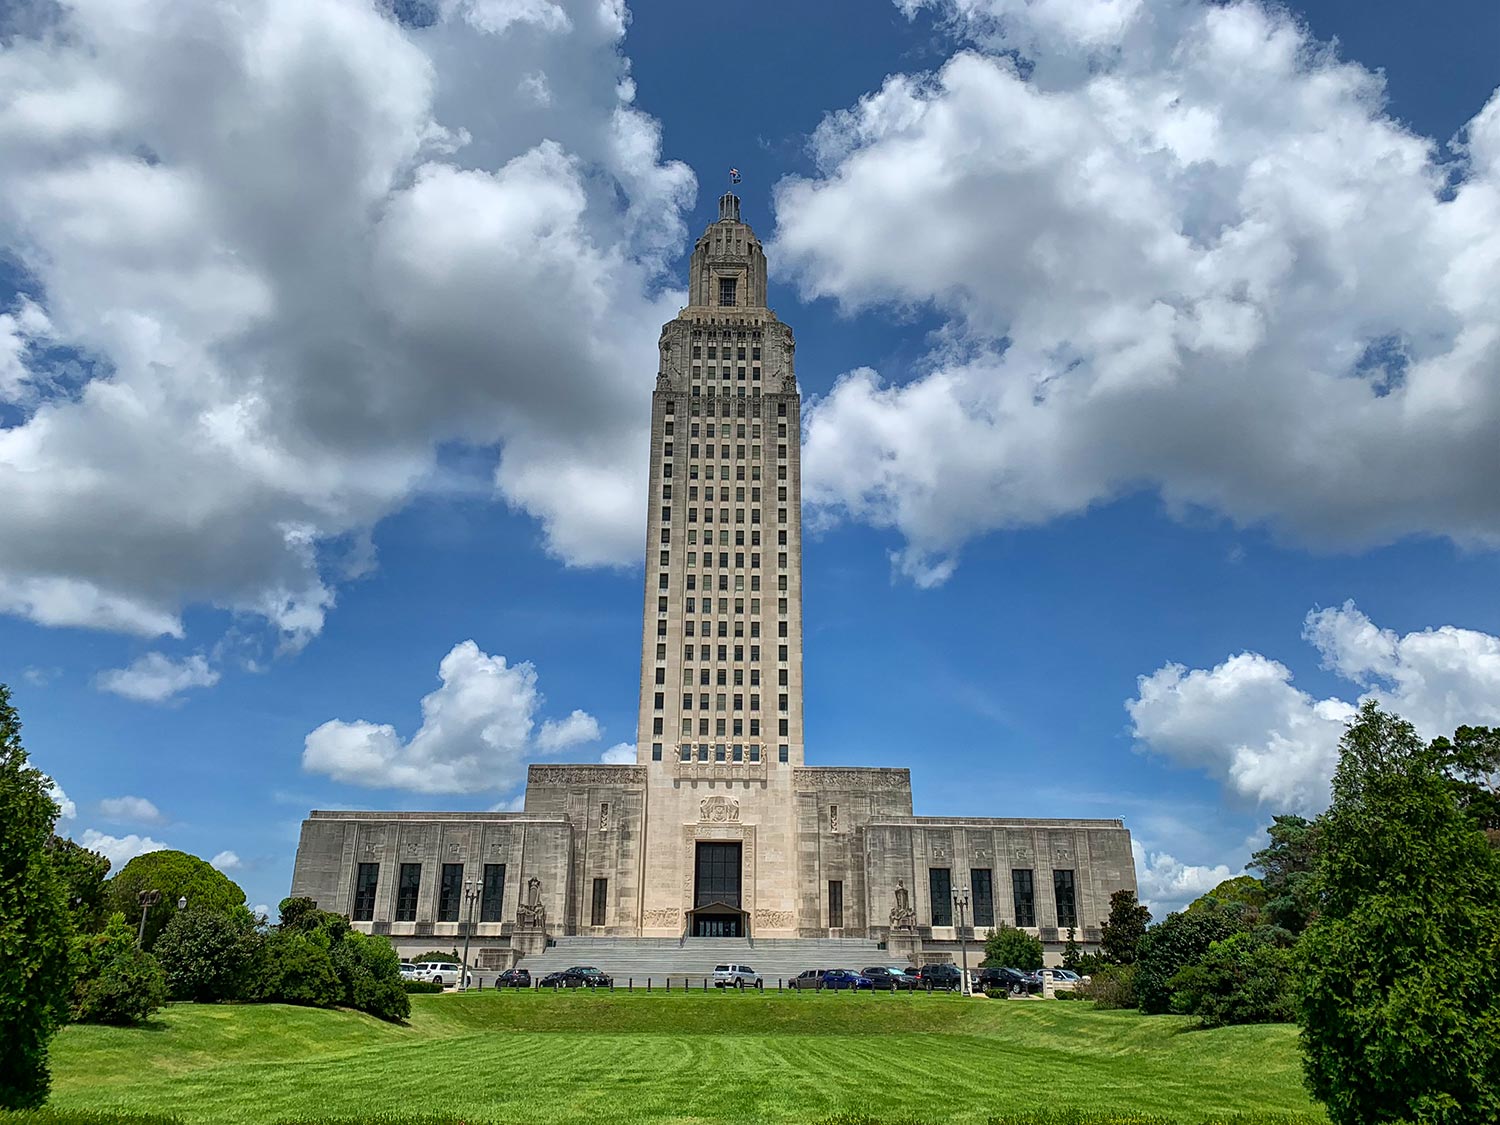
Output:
(726, 293)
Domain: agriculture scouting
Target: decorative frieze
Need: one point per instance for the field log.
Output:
(824, 777)
(580, 776)
(719, 810)
(774, 919)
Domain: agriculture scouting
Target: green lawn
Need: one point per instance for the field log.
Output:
(695, 1057)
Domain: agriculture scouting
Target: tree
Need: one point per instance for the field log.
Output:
(1244, 978)
(1474, 754)
(208, 956)
(115, 981)
(84, 874)
(1180, 941)
(435, 955)
(1072, 952)
(1008, 947)
(1287, 864)
(1127, 923)
(1399, 988)
(370, 972)
(34, 925)
(176, 875)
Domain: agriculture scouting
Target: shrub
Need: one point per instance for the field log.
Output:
(176, 875)
(1111, 987)
(294, 968)
(435, 955)
(1008, 947)
(1245, 978)
(1399, 992)
(85, 876)
(1178, 942)
(370, 972)
(421, 987)
(114, 981)
(33, 922)
(207, 955)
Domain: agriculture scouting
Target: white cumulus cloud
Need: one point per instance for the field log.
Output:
(119, 850)
(476, 733)
(284, 250)
(1179, 247)
(156, 678)
(67, 809)
(1165, 884)
(1244, 721)
(135, 810)
(620, 754)
(227, 861)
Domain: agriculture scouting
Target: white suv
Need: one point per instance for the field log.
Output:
(438, 972)
(735, 976)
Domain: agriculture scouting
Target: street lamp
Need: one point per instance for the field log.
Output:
(961, 904)
(147, 899)
(472, 891)
(182, 903)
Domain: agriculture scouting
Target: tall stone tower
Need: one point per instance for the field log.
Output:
(721, 650)
(720, 730)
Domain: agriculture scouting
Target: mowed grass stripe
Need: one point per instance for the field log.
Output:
(529, 1058)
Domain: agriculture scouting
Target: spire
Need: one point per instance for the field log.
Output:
(729, 208)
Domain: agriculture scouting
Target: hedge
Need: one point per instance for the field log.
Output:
(421, 987)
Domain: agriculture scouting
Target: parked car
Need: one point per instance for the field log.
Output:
(442, 973)
(736, 976)
(807, 978)
(408, 971)
(941, 976)
(1013, 981)
(885, 978)
(577, 976)
(514, 978)
(843, 978)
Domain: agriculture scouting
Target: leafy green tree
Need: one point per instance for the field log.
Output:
(208, 955)
(176, 875)
(370, 972)
(1111, 986)
(1245, 893)
(1287, 864)
(435, 955)
(1127, 924)
(1245, 978)
(1474, 754)
(84, 874)
(1399, 987)
(1008, 947)
(115, 981)
(34, 925)
(1180, 941)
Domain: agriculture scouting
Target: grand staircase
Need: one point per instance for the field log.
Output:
(695, 957)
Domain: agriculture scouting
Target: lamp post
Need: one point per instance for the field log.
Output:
(147, 899)
(472, 891)
(182, 902)
(961, 904)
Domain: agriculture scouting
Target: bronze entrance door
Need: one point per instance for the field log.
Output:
(717, 884)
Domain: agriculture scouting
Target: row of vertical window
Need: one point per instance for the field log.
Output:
(450, 892)
(713, 351)
(1023, 894)
(718, 752)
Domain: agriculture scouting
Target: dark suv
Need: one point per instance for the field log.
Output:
(944, 977)
(1013, 981)
(514, 978)
(883, 978)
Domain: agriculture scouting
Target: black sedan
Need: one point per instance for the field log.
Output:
(579, 976)
(1013, 981)
(514, 978)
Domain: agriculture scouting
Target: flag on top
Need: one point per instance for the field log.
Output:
(734, 175)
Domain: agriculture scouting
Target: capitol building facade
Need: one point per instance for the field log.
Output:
(720, 829)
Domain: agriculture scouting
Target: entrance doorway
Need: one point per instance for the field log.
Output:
(716, 891)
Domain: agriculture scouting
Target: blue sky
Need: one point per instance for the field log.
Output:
(1148, 359)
